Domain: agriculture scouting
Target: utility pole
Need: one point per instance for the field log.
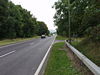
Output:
(69, 21)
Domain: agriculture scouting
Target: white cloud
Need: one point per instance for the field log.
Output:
(41, 9)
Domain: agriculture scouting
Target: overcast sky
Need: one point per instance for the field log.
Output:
(41, 9)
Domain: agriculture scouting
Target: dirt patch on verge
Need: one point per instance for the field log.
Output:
(77, 63)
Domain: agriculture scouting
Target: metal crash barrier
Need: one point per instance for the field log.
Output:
(93, 67)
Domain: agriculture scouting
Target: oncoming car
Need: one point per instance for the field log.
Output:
(43, 36)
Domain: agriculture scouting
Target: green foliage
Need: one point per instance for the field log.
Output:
(3, 15)
(61, 38)
(16, 21)
(89, 48)
(94, 33)
(42, 28)
(83, 13)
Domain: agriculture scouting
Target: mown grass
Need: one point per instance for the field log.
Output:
(59, 63)
(90, 49)
(10, 41)
(61, 38)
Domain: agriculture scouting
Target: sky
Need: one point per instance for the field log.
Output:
(41, 9)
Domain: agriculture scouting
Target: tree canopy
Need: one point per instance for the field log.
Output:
(16, 22)
(84, 16)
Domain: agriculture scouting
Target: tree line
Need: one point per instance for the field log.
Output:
(17, 22)
(84, 18)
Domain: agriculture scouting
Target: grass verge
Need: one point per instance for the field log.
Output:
(89, 49)
(59, 63)
(61, 38)
(10, 41)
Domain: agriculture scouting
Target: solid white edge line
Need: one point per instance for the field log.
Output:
(7, 54)
(42, 62)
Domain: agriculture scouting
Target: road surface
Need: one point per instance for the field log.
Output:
(23, 58)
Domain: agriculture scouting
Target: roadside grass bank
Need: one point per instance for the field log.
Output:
(59, 63)
(61, 38)
(10, 41)
(89, 48)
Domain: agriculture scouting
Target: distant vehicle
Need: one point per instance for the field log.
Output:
(43, 36)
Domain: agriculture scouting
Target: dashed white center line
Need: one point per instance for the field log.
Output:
(7, 54)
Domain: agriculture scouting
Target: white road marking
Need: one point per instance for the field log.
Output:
(7, 54)
(44, 58)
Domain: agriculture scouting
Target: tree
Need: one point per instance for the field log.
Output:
(3, 17)
(17, 22)
(84, 14)
(42, 28)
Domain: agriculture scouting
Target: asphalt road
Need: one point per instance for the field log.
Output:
(23, 58)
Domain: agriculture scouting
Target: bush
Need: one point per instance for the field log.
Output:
(94, 33)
